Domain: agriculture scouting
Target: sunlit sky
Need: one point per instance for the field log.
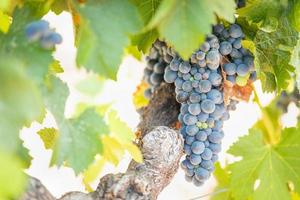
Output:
(62, 180)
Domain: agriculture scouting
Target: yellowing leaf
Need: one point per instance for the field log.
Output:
(134, 51)
(295, 196)
(112, 150)
(92, 172)
(48, 136)
(119, 129)
(55, 67)
(134, 152)
(5, 22)
(139, 99)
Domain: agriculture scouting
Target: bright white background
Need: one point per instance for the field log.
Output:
(62, 180)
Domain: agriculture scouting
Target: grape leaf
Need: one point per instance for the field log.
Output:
(185, 23)
(12, 177)
(20, 102)
(49, 137)
(147, 11)
(222, 176)
(119, 128)
(274, 166)
(104, 33)
(294, 14)
(79, 138)
(295, 61)
(139, 99)
(255, 12)
(91, 85)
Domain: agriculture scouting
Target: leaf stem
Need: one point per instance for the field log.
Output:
(272, 135)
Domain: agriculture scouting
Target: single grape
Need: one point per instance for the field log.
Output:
(230, 68)
(178, 82)
(218, 113)
(49, 40)
(242, 70)
(184, 108)
(195, 98)
(194, 70)
(214, 158)
(207, 154)
(215, 79)
(213, 42)
(197, 147)
(159, 68)
(215, 95)
(208, 106)
(169, 75)
(225, 48)
(215, 137)
(237, 43)
(184, 67)
(192, 130)
(202, 174)
(205, 86)
(187, 86)
(237, 61)
(189, 140)
(213, 59)
(200, 55)
(202, 117)
(195, 159)
(210, 122)
(195, 84)
(194, 109)
(198, 76)
(182, 96)
(235, 31)
(201, 136)
(189, 119)
(207, 164)
(205, 47)
(218, 28)
(236, 54)
(186, 77)
(156, 79)
(215, 148)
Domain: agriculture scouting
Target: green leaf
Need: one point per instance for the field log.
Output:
(49, 137)
(104, 34)
(185, 23)
(12, 177)
(294, 14)
(145, 40)
(20, 102)
(91, 86)
(79, 140)
(221, 192)
(272, 166)
(255, 12)
(118, 128)
(295, 61)
(273, 54)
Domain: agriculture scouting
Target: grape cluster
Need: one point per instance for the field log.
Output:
(240, 65)
(39, 31)
(199, 90)
(286, 98)
(159, 57)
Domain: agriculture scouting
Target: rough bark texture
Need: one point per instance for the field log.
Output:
(161, 147)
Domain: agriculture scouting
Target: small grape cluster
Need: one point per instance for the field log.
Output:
(199, 89)
(39, 31)
(240, 66)
(159, 57)
(286, 98)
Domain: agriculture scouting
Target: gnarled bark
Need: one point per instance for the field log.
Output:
(161, 147)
